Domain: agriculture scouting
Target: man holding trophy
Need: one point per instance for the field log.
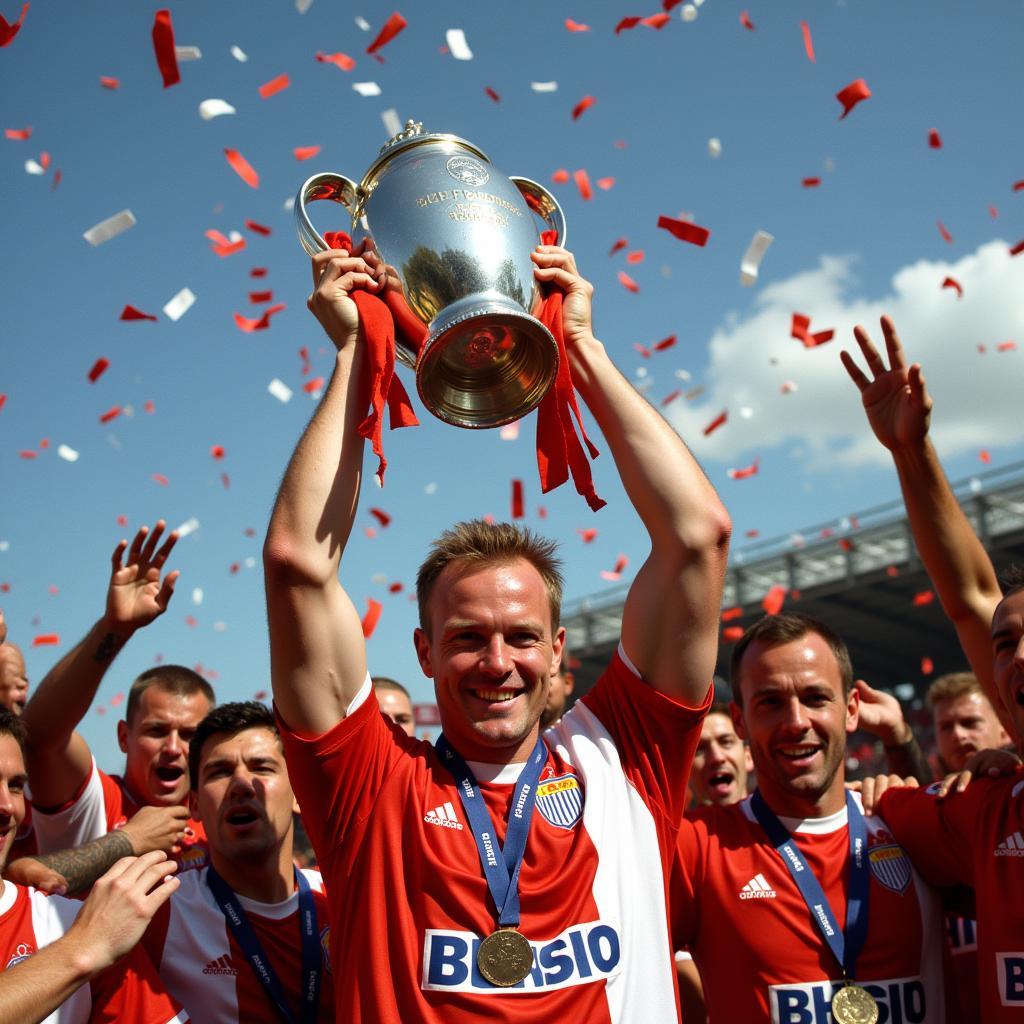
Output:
(499, 872)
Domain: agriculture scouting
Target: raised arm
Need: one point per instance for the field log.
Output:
(898, 408)
(882, 715)
(670, 620)
(59, 760)
(317, 651)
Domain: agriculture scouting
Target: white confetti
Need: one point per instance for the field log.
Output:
(289, 203)
(250, 562)
(33, 167)
(187, 53)
(688, 12)
(362, 23)
(544, 86)
(280, 390)
(430, 489)
(239, 54)
(209, 109)
(392, 122)
(510, 431)
(67, 453)
(109, 228)
(303, 5)
(683, 375)
(641, 372)
(714, 148)
(751, 262)
(379, 578)
(366, 88)
(219, 627)
(180, 304)
(5, 545)
(197, 595)
(189, 526)
(457, 45)
(746, 412)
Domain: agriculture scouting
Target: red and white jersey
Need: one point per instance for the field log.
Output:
(761, 955)
(411, 903)
(128, 991)
(102, 805)
(203, 967)
(975, 838)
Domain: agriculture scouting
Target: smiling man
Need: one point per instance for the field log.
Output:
(499, 875)
(795, 907)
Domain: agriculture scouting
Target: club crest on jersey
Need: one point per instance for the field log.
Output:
(325, 947)
(890, 866)
(560, 800)
(21, 953)
(192, 858)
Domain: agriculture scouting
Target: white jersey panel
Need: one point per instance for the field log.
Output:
(80, 823)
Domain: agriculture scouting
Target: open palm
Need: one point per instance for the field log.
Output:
(139, 592)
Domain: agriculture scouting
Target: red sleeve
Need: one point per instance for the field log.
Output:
(131, 990)
(655, 736)
(683, 902)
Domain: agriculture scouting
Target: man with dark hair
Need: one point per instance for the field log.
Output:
(245, 940)
(453, 897)
(563, 682)
(74, 802)
(395, 702)
(721, 762)
(60, 955)
(792, 890)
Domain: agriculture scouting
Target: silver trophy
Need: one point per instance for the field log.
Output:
(455, 236)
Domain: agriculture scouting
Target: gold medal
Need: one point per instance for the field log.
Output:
(854, 1005)
(505, 957)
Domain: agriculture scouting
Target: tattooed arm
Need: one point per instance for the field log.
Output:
(59, 760)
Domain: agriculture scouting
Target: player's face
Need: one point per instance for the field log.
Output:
(721, 763)
(1008, 657)
(490, 653)
(398, 708)
(156, 744)
(12, 794)
(13, 679)
(796, 720)
(243, 796)
(963, 726)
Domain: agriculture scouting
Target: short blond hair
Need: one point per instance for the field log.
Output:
(953, 686)
(477, 542)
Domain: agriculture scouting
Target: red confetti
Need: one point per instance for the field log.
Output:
(728, 614)
(3, 400)
(257, 297)
(627, 23)
(242, 168)
(274, 86)
(927, 666)
(1017, 249)
(1006, 346)
(19, 134)
(45, 639)
(846, 544)
(9, 31)
(381, 516)
(811, 182)
(637, 256)
(952, 282)
(131, 313)
(225, 480)
(752, 533)
(260, 229)
(391, 28)
(160, 479)
(228, 249)
(490, 92)
(716, 422)
(731, 634)
(923, 597)
(684, 230)
(774, 599)
(98, 369)
(642, 349)
(665, 343)
(745, 472)
(149, 406)
(44, 160)
(934, 139)
(584, 104)
(852, 94)
(27, 454)
(372, 616)
(111, 414)
(313, 384)
(1018, 186)
(605, 183)
(110, 83)
(670, 397)
(163, 46)
(217, 451)
(517, 499)
(993, 212)
(891, 571)
(260, 695)
(246, 324)
(985, 456)
(305, 152)
(395, 588)
(45, 443)
(588, 534)
(746, 22)
(628, 283)
(946, 236)
(619, 245)
(656, 21)
(583, 184)
(808, 42)
(575, 26)
(801, 331)
(341, 60)
(258, 272)
(620, 563)
(561, 176)
(234, 568)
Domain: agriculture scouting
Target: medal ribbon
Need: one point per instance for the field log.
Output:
(246, 937)
(503, 881)
(845, 944)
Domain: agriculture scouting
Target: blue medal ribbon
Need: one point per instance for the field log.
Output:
(847, 943)
(502, 878)
(250, 944)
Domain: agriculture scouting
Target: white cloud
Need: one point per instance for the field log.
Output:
(977, 397)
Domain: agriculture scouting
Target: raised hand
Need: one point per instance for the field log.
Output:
(138, 591)
(337, 273)
(557, 266)
(881, 714)
(895, 398)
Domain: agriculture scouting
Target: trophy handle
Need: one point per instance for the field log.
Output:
(543, 203)
(327, 185)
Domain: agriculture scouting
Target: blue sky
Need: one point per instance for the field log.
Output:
(864, 241)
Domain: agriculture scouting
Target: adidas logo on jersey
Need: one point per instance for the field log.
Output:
(444, 816)
(757, 889)
(1011, 846)
(222, 965)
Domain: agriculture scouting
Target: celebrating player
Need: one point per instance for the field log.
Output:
(497, 874)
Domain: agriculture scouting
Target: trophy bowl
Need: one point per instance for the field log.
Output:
(455, 236)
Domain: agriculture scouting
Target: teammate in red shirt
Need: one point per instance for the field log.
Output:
(428, 920)
(760, 948)
(242, 794)
(74, 801)
(59, 958)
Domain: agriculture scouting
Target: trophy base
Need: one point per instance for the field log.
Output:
(485, 363)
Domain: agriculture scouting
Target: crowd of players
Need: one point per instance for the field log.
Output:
(534, 864)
